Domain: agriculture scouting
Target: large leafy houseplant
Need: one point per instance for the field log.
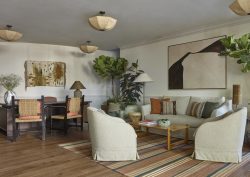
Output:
(238, 48)
(130, 90)
(110, 68)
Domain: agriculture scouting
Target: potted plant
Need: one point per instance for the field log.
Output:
(9, 82)
(130, 90)
(238, 48)
(111, 68)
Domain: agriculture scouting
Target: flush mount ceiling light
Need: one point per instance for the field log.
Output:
(241, 7)
(9, 35)
(102, 22)
(87, 48)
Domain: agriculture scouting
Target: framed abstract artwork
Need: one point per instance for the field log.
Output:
(197, 65)
(45, 73)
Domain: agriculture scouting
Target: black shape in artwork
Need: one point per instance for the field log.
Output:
(175, 72)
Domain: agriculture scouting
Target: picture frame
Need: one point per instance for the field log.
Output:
(197, 65)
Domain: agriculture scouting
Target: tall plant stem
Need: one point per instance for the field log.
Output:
(113, 85)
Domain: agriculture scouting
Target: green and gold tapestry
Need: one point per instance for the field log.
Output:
(45, 73)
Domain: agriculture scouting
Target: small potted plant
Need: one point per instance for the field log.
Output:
(9, 82)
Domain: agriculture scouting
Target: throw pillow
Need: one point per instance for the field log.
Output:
(208, 109)
(197, 109)
(155, 106)
(222, 109)
(182, 103)
(167, 107)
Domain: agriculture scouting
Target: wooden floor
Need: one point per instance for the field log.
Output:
(31, 157)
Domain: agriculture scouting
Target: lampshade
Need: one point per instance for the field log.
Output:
(9, 35)
(77, 85)
(87, 48)
(143, 77)
(102, 22)
(236, 94)
(241, 7)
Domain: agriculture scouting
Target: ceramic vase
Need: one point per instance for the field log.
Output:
(8, 95)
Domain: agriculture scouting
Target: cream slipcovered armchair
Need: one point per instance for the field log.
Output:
(222, 140)
(112, 138)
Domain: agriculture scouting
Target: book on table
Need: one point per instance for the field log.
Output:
(148, 122)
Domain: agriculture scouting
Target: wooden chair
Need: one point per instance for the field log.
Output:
(73, 110)
(27, 111)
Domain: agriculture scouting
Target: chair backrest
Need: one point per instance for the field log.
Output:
(75, 105)
(50, 99)
(28, 107)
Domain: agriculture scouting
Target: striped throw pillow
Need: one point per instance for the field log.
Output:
(167, 107)
(196, 109)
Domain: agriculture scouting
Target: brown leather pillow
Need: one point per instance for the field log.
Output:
(155, 106)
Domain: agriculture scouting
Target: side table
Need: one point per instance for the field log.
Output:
(135, 117)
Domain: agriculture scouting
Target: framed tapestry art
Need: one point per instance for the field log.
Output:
(197, 65)
(45, 73)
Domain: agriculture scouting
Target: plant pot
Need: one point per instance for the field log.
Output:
(122, 114)
(135, 118)
(8, 95)
(131, 108)
(114, 107)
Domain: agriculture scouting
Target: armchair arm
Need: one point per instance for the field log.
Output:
(113, 135)
(145, 109)
(227, 133)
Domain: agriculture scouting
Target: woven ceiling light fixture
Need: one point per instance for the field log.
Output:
(241, 7)
(102, 22)
(87, 48)
(9, 35)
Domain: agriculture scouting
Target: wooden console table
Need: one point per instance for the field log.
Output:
(6, 117)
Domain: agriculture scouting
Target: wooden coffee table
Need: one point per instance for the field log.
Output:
(169, 129)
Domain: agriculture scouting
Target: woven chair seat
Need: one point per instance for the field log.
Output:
(29, 119)
(68, 117)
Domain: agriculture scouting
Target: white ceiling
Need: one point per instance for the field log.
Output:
(65, 22)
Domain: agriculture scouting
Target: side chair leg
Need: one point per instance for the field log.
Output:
(65, 126)
(81, 123)
(14, 132)
(51, 126)
(43, 130)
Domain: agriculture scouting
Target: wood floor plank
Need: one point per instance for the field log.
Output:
(31, 157)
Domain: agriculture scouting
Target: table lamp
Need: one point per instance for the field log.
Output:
(143, 77)
(77, 85)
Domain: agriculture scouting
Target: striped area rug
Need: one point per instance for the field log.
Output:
(156, 160)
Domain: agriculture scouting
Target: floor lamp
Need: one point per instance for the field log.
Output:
(142, 78)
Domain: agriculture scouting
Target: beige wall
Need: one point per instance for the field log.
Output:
(153, 59)
(78, 67)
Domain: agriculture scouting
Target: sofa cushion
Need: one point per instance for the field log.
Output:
(220, 100)
(222, 109)
(155, 106)
(208, 109)
(181, 103)
(177, 119)
(167, 107)
(197, 109)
